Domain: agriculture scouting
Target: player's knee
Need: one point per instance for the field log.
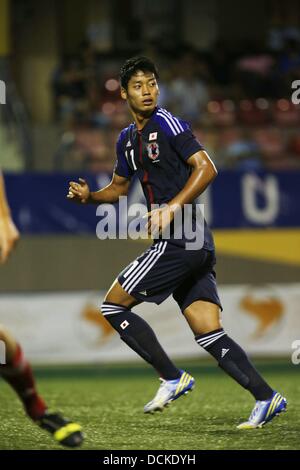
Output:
(110, 308)
(111, 300)
(102, 309)
(208, 328)
(203, 317)
(203, 324)
(117, 295)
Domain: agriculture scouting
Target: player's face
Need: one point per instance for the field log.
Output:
(142, 92)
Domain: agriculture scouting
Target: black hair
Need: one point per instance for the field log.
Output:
(132, 65)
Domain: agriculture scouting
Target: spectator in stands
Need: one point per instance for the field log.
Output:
(220, 64)
(289, 62)
(189, 94)
(70, 91)
(255, 71)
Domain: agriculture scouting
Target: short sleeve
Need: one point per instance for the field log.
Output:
(179, 134)
(121, 166)
(186, 144)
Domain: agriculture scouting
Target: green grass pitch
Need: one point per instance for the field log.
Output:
(108, 401)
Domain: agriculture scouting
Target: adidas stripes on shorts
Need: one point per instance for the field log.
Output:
(165, 269)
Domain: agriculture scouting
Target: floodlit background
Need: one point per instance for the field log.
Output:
(227, 67)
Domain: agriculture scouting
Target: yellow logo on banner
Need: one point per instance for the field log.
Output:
(267, 310)
(91, 314)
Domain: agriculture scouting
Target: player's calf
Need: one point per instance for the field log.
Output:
(140, 337)
(235, 362)
(18, 374)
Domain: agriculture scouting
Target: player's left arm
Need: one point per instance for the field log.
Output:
(203, 173)
(9, 234)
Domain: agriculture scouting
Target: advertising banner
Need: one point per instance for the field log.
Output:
(68, 328)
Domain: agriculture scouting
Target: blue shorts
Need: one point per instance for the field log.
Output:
(165, 269)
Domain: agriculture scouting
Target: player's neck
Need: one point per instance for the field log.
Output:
(140, 119)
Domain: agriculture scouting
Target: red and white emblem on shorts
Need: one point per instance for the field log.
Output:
(153, 150)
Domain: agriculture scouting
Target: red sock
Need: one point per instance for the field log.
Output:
(20, 377)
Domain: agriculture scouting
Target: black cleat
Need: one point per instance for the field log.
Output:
(64, 431)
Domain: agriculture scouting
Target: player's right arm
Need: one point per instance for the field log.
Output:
(119, 185)
(80, 191)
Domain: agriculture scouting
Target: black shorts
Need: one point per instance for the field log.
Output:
(165, 269)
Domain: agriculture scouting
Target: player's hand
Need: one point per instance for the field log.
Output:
(158, 220)
(79, 192)
(9, 236)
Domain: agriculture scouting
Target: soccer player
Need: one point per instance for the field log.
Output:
(17, 371)
(173, 169)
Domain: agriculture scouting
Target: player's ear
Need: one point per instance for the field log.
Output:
(123, 93)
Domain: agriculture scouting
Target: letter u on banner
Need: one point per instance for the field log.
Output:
(252, 187)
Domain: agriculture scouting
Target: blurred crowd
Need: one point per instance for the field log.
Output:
(238, 100)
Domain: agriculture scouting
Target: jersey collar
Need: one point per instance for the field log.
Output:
(147, 123)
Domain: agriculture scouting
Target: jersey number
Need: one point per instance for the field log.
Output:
(131, 155)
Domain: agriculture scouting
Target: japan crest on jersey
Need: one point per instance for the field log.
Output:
(153, 150)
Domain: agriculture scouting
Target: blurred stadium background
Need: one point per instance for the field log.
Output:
(227, 67)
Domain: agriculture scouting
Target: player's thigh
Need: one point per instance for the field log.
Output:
(203, 316)
(117, 295)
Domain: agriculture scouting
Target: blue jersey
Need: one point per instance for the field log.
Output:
(158, 154)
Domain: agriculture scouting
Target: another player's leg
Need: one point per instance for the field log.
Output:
(203, 318)
(140, 337)
(18, 374)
